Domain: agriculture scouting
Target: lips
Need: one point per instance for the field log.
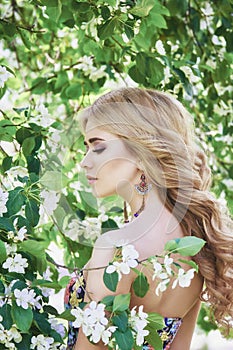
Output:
(91, 177)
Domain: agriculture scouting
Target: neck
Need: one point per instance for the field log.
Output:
(152, 201)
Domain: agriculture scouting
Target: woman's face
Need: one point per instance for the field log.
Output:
(110, 167)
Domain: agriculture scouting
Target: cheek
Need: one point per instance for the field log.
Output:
(118, 170)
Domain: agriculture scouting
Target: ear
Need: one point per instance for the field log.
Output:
(139, 165)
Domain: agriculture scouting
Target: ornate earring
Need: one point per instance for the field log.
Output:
(143, 187)
(126, 218)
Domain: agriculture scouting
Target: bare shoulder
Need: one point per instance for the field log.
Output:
(111, 239)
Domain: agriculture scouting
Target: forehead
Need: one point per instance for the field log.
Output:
(94, 132)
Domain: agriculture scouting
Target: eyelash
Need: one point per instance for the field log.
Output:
(95, 150)
(98, 150)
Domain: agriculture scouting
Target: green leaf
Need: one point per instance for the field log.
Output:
(25, 343)
(190, 263)
(156, 320)
(140, 285)
(6, 224)
(159, 21)
(22, 134)
(28, 145)
(154, 339)
(89, 202)
(22, 317)
(156, 70)
(39, 86)
(2, 287)
(121, 302)
(111, 280)
(121, 321)
(5, 312)
(6, 163)
(41, 322)
(19, 285)
(74, 91)
(66, 315)
(124, 339)
(15, 201)
(53, 9)
(136, 75)
(62, 79)
(186, 246)
(3, 253)
(108, 300)
(54, 180)
(142, 8)
(107, 29)
(35, 248)
(25, 38)
(32, 212)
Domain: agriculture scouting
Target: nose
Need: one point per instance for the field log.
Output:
(86, 161)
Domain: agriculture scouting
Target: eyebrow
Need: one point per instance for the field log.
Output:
(93, 139)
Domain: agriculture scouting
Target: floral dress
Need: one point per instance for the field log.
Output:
(74, 294)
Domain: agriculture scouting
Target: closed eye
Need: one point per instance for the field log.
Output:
(98, 150)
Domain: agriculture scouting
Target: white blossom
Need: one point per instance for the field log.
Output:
(43, 119)
(16, 264)
(130, 255)
(91, 228)
(41, 342)
(47, 291)
(53, 139)
(87, 66)
(4, 76)
(16, 171)
(25, 298)
(73, 230)
(94, 313)
(58, 327)
(129, 260)
(47, 274)
(93, 322)
(98, 73)
(51, 199)
(18, 235)
(119, 267)
(184, 278)
(168, 262)
(107, 334)
(162, 286)
(10, 248)
(138, 322)
(3, 200)
(157, 268)
(78, 314)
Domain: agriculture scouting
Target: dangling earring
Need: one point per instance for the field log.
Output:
(126, 218)
(142, 188)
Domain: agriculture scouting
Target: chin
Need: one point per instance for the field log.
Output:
(102, 194)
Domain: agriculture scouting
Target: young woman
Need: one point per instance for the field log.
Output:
(140, 146)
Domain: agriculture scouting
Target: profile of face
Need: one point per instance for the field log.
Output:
(109, 166)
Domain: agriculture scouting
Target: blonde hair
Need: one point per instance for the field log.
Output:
(158, 130)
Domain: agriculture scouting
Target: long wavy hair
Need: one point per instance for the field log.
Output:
(159, 131)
